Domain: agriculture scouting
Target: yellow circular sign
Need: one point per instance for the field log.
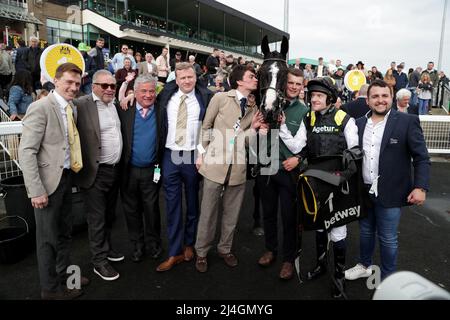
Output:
(354, 80)
(57, 54)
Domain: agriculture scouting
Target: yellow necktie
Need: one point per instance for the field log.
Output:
(76, 162)
(180, 133)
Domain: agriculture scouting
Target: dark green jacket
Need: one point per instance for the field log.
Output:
(295, 113)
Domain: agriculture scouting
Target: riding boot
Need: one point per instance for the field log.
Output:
(321, 252)
(338, 288)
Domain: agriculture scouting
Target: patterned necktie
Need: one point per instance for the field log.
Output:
(243, 106)
(76, 162)
(144, 112)
(180, 134)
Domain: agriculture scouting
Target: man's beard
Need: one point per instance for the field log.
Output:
(383, 113)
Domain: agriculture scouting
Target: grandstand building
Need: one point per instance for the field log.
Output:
(190, 26)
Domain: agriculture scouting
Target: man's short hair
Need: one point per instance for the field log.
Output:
(144, 79)
(183, 66)
(34, 38)
(67, 67)
(431, 62)
(101, 39)
(378, 83)
(295, 72)
(101, 73)
(237, 74)
(403, 93)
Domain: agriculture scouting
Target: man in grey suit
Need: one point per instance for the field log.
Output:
(101, 145)
(148, 67)
(46, 159)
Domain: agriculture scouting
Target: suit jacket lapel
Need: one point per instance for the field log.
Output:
(55, 107)
(93, 115)
(130, 124)
(390, 125)
(361, 128)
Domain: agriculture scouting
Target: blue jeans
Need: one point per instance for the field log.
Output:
(423, 106)
(383, 222)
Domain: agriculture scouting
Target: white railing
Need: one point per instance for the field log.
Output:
(10, 132)
(436, 130)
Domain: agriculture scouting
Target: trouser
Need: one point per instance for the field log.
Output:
(100, 200)
(54, 234)
(279, 186)
(382, 222)
(140, 199)
(233, 197)
(174, 175)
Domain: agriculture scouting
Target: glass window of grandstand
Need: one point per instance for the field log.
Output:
(211, 26)
(234, 33)
(253, 37)
(99, 6)
(63, 32)
(183, 18)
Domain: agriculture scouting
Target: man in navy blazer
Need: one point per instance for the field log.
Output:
(358, 107)
(391, 141)
(183, 105)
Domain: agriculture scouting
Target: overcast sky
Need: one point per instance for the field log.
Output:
(402, 30)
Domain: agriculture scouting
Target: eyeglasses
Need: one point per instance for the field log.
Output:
(105, 86)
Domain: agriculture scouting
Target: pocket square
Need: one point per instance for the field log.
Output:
(393, 141)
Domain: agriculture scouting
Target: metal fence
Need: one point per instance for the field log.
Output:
(436, 130)
(444, 98)
(10, 132)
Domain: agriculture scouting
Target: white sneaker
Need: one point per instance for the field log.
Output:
(358, 271)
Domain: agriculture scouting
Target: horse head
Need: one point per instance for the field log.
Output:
(272, 80)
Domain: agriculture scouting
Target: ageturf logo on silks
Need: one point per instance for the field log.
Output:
(340, 215)
(325, 129)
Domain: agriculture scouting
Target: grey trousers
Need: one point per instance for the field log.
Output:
(233, 197)
(54, 234)
(101, 200)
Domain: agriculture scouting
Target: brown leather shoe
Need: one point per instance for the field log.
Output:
(267, 258)
(84, 281)
(188, 253)
(170, 263)
(229, 259)
(287, 271)
(201, 264)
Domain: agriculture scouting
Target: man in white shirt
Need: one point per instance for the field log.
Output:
(47, 163)
(162, 63)
(101, 144)
(321, 133)
(391, 141)
(222, 163)
(183, 104)
(148, 66)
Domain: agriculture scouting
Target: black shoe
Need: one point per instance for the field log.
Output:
(137, 256)
(115, 256)
(155, 251)
(317, 272)
(338, 289)
(106, 272)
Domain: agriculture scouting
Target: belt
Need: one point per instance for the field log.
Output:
(106, 165)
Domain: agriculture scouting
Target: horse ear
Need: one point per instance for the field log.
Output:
(265, 45)
(284, 46)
